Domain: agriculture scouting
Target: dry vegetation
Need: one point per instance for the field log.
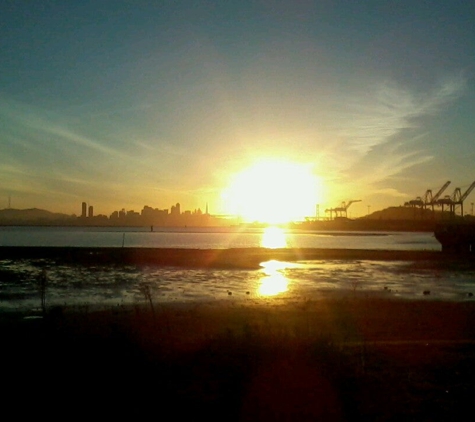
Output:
(330, 359)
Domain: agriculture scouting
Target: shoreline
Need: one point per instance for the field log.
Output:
(104, 265)
(232, 257)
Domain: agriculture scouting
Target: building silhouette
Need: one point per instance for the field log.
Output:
(175, 209)
(152, 217)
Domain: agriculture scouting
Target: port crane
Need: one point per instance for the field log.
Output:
(457, 198)
(342, 210)
(428, 200)
(418, 202)
(432, 200)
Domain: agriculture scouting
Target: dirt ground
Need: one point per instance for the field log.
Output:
(333, 359)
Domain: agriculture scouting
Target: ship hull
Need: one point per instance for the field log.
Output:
(456, 237)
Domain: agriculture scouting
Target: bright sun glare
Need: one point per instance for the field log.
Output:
(273, 192)
(274, 280)
(273, 237)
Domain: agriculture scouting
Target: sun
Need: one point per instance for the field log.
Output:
(273, 192)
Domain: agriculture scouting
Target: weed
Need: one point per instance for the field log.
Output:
(145, 289)
(42, 284)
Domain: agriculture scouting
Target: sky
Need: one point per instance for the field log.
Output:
(123, 104)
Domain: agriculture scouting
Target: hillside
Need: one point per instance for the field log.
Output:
(404, 213)
(32, 215)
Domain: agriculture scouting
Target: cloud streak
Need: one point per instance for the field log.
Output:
(383, 129)
(385, 135)
(373, 118)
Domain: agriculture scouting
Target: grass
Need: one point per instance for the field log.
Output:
(330, 359)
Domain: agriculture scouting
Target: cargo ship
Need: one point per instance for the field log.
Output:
(456, 237)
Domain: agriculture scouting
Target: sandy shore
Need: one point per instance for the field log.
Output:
(338, 358)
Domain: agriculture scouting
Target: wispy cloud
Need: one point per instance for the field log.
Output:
(378, 118)
(384, 135)
(372, 119)
(41, 125)
(53, 154)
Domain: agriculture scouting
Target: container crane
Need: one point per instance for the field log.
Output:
(457, 198)
(341, 211)
(446, 200)
(418, 202)
(428, 200)
(432, 200)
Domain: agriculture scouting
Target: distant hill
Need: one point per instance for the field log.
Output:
(412, 213)
(36, 215)
(400, 218)
(403, 213)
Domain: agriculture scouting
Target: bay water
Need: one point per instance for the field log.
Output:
(105, 286)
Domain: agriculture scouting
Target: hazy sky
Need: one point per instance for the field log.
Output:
(129, 103)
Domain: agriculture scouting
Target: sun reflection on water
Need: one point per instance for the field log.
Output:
(274, 280)
(274, 237)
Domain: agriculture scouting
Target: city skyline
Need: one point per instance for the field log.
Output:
(88, 210)
(281, 105)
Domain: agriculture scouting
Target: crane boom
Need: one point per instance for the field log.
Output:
(430, 199)
(456, 199)
(351, 202)
(467, 192)
(441, 190)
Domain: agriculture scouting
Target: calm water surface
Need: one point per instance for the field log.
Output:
(114, 285)
(217, 238)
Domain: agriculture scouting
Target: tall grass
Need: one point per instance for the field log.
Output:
(42, 286)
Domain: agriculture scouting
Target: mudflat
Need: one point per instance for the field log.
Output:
(232, 257)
